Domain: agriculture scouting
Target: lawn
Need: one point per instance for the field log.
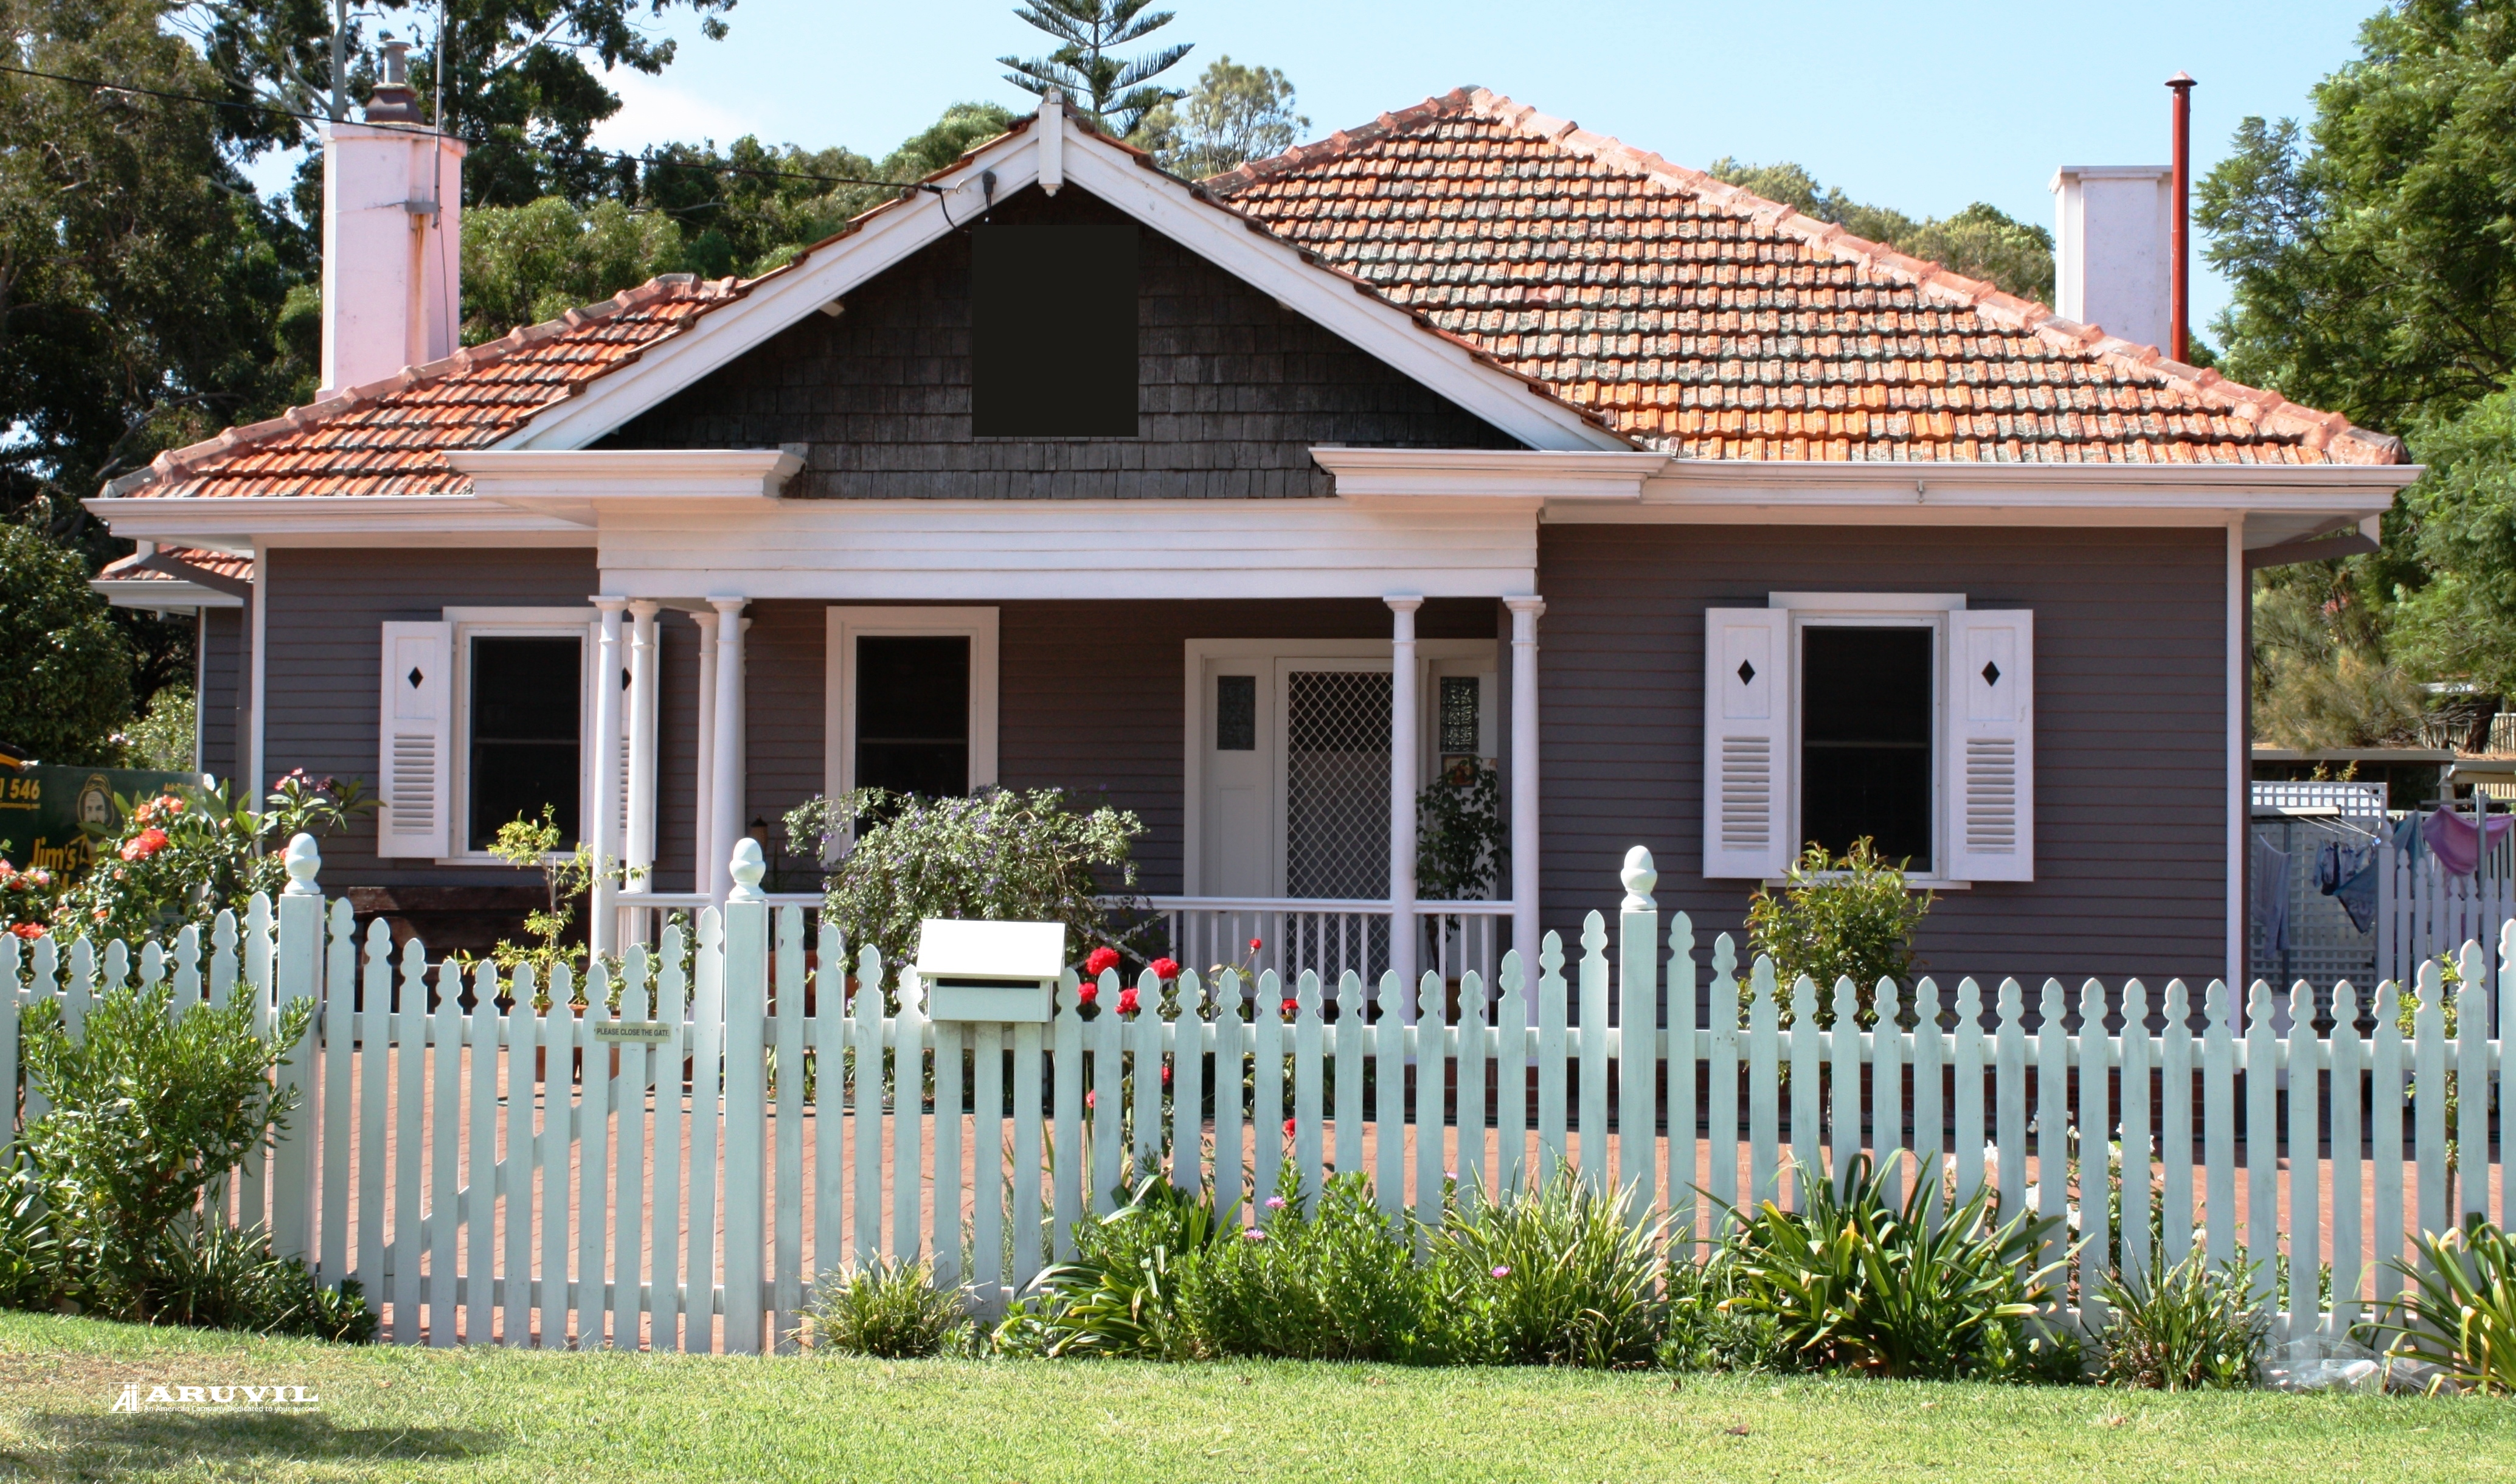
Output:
(390, 1412)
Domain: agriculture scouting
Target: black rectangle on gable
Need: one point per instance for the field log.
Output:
(1053, 332)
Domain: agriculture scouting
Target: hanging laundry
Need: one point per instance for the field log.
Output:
(2407, 838)
(2355, 886)
(2271, 895)
(2457, 840)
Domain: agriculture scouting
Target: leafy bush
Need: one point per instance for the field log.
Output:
(1004, 855)
(1459, 834)
(1857, 1283)
(1334, 1280)
(30, 1256)
(1121, 1293)
(2459, 1313)
(188, 853)
(889, 1310)
(68, 683)
(2191, 1327)
(216, 1276)
(1837, 917)
(148, 1108)
(163, 737)
(1702, 1332)
(1558, 1276)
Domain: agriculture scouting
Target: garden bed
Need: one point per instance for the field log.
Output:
(395, 1413)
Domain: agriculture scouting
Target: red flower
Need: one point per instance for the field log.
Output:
(1127, 1001)
(31, 932)
(1087, 992)
(1166, 1077)
(1090, 1098)
(146, 844)
(1288, 1129)
(1290, 1008)
(1253, 945)
(1166, 969)
(1098, 962)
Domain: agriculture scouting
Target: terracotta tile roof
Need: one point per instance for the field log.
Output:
(170, 563)
(1713, 323)
(391, 437)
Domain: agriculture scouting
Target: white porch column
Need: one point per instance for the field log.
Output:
(1402, 747)
(704, 846)
(725, 809)
(643, 676)
(602, 929)
(1524, 778)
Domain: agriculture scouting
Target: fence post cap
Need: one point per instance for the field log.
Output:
(301, 862)
(1639, 875)
(748, 869)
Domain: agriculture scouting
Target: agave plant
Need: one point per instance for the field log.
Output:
(1860, 1281)
(2460, 1313)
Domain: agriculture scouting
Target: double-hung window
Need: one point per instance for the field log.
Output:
(1903, 719)
(487, 717)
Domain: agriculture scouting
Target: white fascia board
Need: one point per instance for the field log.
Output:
(240, 521)
(1407, 475)
(579, 485)
(950, 584)
(1382, 330)
(165, 594)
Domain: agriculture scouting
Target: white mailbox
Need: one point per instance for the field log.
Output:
(991, 971)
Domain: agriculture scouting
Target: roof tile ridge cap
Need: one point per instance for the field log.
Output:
(173, 462)
(1343, 142)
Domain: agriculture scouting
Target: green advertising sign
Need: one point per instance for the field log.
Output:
(44, 810)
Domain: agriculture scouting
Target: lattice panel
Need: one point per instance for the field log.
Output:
(1337, 783)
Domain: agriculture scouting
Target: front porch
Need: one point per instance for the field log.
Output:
(1275, 749)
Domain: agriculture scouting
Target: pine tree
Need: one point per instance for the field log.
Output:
(1116, 92)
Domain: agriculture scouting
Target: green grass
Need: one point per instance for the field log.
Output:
(388, 1412)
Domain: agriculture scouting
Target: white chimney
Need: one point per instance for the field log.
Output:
(393, 206)
(2112, 257)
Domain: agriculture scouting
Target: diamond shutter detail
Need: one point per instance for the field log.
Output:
(1746, 731)
(1991, 763)
(416, 740)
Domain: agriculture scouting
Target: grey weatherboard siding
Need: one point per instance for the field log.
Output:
(2130, 726)
(221, 696)
(1234, 391)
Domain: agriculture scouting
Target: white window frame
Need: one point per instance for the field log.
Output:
(1928, 611)
(845, 625)
(1434, 658)
(476, 623)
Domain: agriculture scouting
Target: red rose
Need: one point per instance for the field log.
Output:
(146, 844)
(1290, 1008)
(1127, 1001)
(1166, 1077)
(31, 932)
(1253, 945)
(1166, 969)
(1100, 962)
(1087, 992)
(1288, 1129)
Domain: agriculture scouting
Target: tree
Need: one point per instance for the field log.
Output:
(66, 684)
(1234, 115)
(1116, 92)
(1982, 241)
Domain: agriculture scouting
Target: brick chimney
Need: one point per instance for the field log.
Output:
(393, 206)
(2113, 259)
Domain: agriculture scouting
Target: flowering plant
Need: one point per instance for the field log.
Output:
(188, 854)
(26, 900)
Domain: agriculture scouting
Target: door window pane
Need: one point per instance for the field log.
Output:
(913, 714)
(526, 709)
(1865, 741)
(1235, 713)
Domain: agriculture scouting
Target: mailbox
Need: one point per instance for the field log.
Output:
(990, 971)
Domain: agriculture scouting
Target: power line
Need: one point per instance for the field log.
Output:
(578, 150)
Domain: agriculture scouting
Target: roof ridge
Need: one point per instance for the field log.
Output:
(172, 463)
(2329, 433)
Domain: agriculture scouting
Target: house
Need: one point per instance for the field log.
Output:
(1252, 506)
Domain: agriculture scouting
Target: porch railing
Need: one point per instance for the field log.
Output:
(1293, 935)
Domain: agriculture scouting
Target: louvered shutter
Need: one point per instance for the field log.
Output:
(416, 738)
(1746, 734)
(1990, 761)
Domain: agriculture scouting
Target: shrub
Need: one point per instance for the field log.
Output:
(1834, 919)
(1004, 855)
(2460, 1314)
(1331, 1280)
(163, 737)
(30, 1256)
(1702, 1332)
(148, 1107)
(1121, 1293)
(1459, 836)
(216, 1276)
(888, 1311)
(2191, 1327)
(190, 853)
(1558, 1276)
(68, 682)
(1857, 1283)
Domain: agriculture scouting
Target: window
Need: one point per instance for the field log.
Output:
(1904, 718)
(526, 712)
(1235, 713)
(1053, 332)
(913, 714)
(911, 700)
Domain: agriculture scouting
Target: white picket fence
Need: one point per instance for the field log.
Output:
(662, 1174)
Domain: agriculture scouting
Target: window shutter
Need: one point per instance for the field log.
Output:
(416, 736)
(1991, 761)
(1747, 732)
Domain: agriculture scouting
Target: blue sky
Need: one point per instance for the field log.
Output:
(1920, 105)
